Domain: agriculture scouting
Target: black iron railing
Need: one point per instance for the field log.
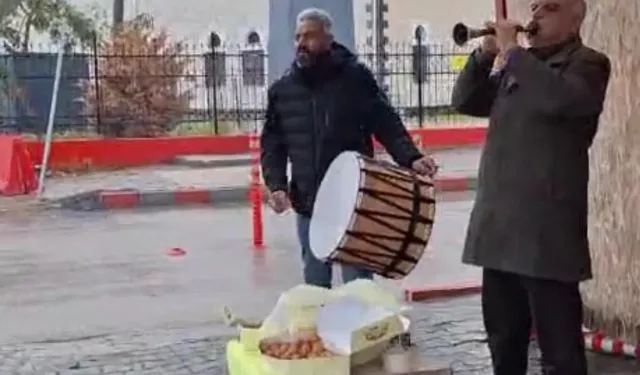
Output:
(197, 90)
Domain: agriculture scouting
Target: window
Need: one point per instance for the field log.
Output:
(215, 69)
(253, 61)
(421, 54)
(253, 67)
(420, 58)
(215, 63)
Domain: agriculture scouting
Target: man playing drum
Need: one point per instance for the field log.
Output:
(528, 228)
(325, 104)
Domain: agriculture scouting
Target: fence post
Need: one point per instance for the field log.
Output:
(52, 116)
(419, 35)
(380, 23)
(214, 42)
(97, 82)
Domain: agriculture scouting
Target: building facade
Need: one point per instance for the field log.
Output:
(192, 21)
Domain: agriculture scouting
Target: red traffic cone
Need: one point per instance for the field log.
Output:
(176, 252)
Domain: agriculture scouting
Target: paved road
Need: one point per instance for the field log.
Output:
(94, 293)
(76, 274)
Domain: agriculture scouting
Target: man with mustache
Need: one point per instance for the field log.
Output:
(528, 227)
(325, 104)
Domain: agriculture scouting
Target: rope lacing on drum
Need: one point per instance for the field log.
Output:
(406, 237)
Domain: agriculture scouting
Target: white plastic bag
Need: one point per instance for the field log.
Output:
(370, 292)
(295, 310)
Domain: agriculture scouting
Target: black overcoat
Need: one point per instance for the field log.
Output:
(530, 213)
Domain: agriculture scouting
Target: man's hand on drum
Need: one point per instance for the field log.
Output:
(279, 201)
(425, 166)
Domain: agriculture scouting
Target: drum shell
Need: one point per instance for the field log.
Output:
(392, 220)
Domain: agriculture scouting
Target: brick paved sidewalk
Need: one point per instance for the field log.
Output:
(448, 330)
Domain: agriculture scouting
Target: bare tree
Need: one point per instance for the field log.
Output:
(20, 19)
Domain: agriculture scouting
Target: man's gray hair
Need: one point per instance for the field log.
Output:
(317, 15)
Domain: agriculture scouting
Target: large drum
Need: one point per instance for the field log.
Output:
(373, 215)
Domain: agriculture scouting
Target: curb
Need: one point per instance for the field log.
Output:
(244, 160)
(434, 292)
(129, 199)
(232, 161)
(456, 184)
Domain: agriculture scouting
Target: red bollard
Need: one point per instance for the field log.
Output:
(256, 208)
(255, 196)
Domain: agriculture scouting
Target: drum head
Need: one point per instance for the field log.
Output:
(335, 204)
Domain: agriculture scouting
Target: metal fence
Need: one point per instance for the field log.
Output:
(219, 91)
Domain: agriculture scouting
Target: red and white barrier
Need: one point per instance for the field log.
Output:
(599, 343)
(17, 175)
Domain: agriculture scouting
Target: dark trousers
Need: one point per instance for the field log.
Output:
(511, 303)
(317, 272)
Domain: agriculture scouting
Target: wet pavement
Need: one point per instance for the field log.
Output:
(96, 293)
(103, 272)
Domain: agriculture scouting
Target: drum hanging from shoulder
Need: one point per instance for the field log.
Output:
(373, 215)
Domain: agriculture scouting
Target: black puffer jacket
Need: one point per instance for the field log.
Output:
(311, 121)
